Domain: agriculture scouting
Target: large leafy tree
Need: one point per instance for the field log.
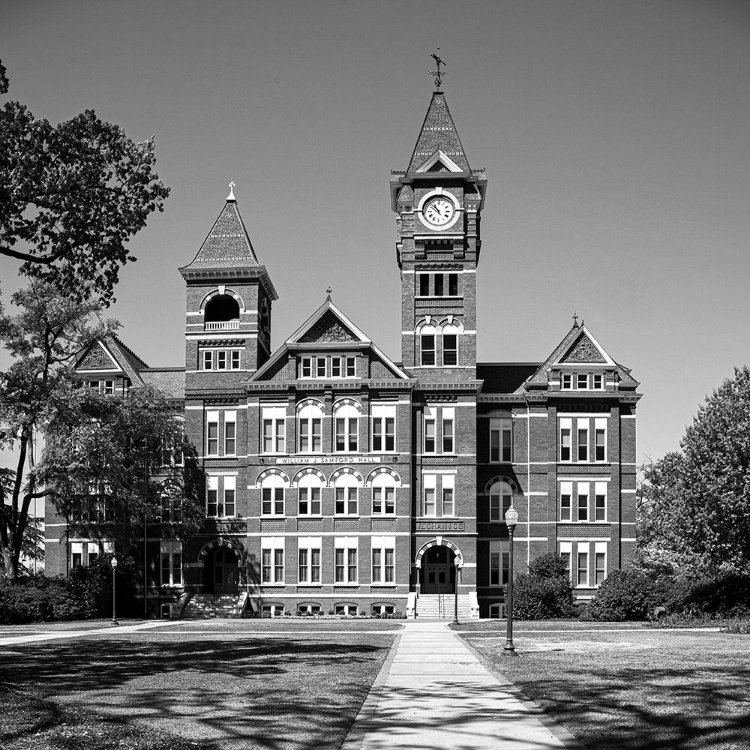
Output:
(68, 443)
(695, 504)
(71, 196)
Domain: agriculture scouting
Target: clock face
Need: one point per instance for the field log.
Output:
(438, 211)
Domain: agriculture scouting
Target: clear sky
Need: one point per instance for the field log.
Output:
(615, 133)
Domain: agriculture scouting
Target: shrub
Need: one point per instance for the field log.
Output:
(737, 626)
(545, 591)
(624, 595)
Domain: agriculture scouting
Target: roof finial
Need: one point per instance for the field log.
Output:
(575, 319)
(328, 294)
(438, 74)
(231, 197)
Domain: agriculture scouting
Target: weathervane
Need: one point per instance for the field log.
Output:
(438, 74)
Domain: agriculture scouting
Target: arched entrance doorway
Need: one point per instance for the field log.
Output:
(438, 571)
(221, 571)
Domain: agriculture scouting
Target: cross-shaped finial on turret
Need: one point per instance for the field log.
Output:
(438, 74)
(231, 197)
(328, 294)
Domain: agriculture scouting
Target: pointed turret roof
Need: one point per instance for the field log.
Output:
(228, 244)
(438, 134)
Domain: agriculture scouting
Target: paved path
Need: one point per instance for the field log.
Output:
(57, 634)
(433, 692)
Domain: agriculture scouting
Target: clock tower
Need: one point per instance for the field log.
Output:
(438, 201)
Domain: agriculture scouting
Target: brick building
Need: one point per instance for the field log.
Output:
(338, 480)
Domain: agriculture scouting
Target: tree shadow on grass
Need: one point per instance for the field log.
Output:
(265, 692)
(649, 709)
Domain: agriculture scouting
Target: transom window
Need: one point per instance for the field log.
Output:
(345, 489)
(383, 495)
(272, 495)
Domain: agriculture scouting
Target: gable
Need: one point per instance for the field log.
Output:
(98, 358)
(328, 329)
(583, 350)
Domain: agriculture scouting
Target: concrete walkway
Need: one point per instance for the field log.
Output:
(433, 692)
(52, 635)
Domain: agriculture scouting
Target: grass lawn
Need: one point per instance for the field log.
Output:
(620, 686)
(201, 684)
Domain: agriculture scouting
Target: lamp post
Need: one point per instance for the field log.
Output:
(114, 568)
(455, 594)
(511, 519)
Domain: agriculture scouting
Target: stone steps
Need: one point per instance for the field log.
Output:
(203, 606)
(441, 606)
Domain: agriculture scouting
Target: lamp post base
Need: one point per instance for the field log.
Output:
(114, 622)
(510, 649)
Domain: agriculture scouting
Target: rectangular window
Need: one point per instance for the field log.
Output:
(450, 349)
(499, 562)
(448, 482)
(430, 486)
(567, 382)
(274, 429)
(230, 433)
(208, 360)
(309, 560)
(273, 501)
(600, 501)
(171, 562)
(424, 284)
(306, 367)
(439, 284)
(220, 357)
(383, 560)
(230, 491)
(582, 565)
(383, 500)
(336, 367)
(212, 433)
(351, 367)
(566, 552)
(448, 415)
(566, 495)
(600, 563)
(235, 359)
(429, 430)
(597, 382)
(600, 439)
(320, 367)
(583, 501)
(212, 496)
(109, 387)
(272, 560)
(345, 560)
(309, 501)
(428, 349)
(501, 440)
(383, 428)
(453, 284)
(582, 381)
(583, 439)
(346, 501)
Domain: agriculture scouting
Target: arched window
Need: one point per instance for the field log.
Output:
(346, 420)
(427, 346)
(272, 494)
(308, 494)
(450, 345)
(384, 494)
(501, 498)
(310, 427)
(346, 487)
(222, 307)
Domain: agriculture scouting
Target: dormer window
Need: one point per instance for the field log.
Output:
(327, 367)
